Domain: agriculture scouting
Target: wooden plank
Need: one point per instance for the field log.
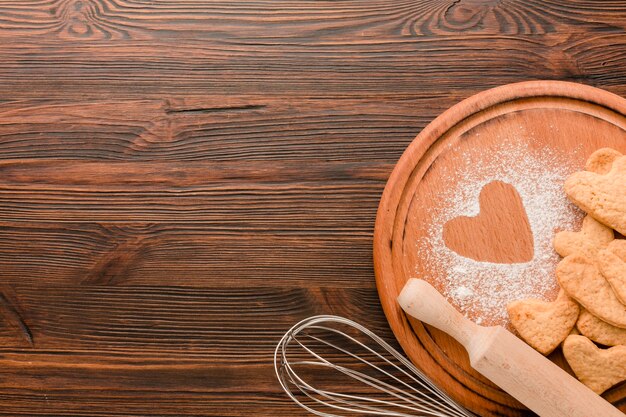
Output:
(302, 20)
(51, 174)
(218, 324)
(392, 66)
(110, 402)
(112, 193)
(215, 255)
(159, 351)
(220, 128)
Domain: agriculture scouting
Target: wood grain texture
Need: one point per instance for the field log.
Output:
(182, 180)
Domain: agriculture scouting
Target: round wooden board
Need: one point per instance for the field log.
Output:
(573, 120)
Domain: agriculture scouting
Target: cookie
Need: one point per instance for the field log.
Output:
(599, 369)
(612, 263)
(601, 196)
(618, 247)
(601, 160)
(592, 237)
(574, 330)
(581, 279)
(600, 331)
(544, 325)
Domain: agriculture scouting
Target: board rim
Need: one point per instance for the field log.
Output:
(402, 327)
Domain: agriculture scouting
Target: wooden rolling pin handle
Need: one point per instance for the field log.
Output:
(421, 300)
(507, 361)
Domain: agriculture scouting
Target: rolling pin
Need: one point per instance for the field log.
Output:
(506, 360)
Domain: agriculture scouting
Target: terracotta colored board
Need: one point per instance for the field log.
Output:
(572, 119)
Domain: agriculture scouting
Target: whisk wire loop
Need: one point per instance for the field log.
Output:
(395, 387)
(398, 393)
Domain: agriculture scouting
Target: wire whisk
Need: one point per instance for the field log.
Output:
(334, 367)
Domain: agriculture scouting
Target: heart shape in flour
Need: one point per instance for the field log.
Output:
(500, 233)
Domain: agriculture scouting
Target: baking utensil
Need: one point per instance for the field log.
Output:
(572, 119)
(506, 360)
(332, 366)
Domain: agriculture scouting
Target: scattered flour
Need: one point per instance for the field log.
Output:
(462, 293)
(483, 289)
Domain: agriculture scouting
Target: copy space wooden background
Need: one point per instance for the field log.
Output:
(180, 181)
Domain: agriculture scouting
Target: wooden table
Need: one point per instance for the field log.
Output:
(180, 181)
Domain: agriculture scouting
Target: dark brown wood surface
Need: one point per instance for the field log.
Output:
(180, 181)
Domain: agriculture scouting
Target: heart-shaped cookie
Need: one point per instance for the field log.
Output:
(500, 233)
(601, 196)
(599, 330)
(612, 263)
(544, 325)
(602, 160)
(581, 279)
(597, 368)
(593, 237)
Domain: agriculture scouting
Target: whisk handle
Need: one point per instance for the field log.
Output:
(421, 300)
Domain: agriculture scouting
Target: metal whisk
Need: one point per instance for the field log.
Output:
(334, 367)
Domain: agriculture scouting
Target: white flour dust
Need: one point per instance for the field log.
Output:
(483, 289)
